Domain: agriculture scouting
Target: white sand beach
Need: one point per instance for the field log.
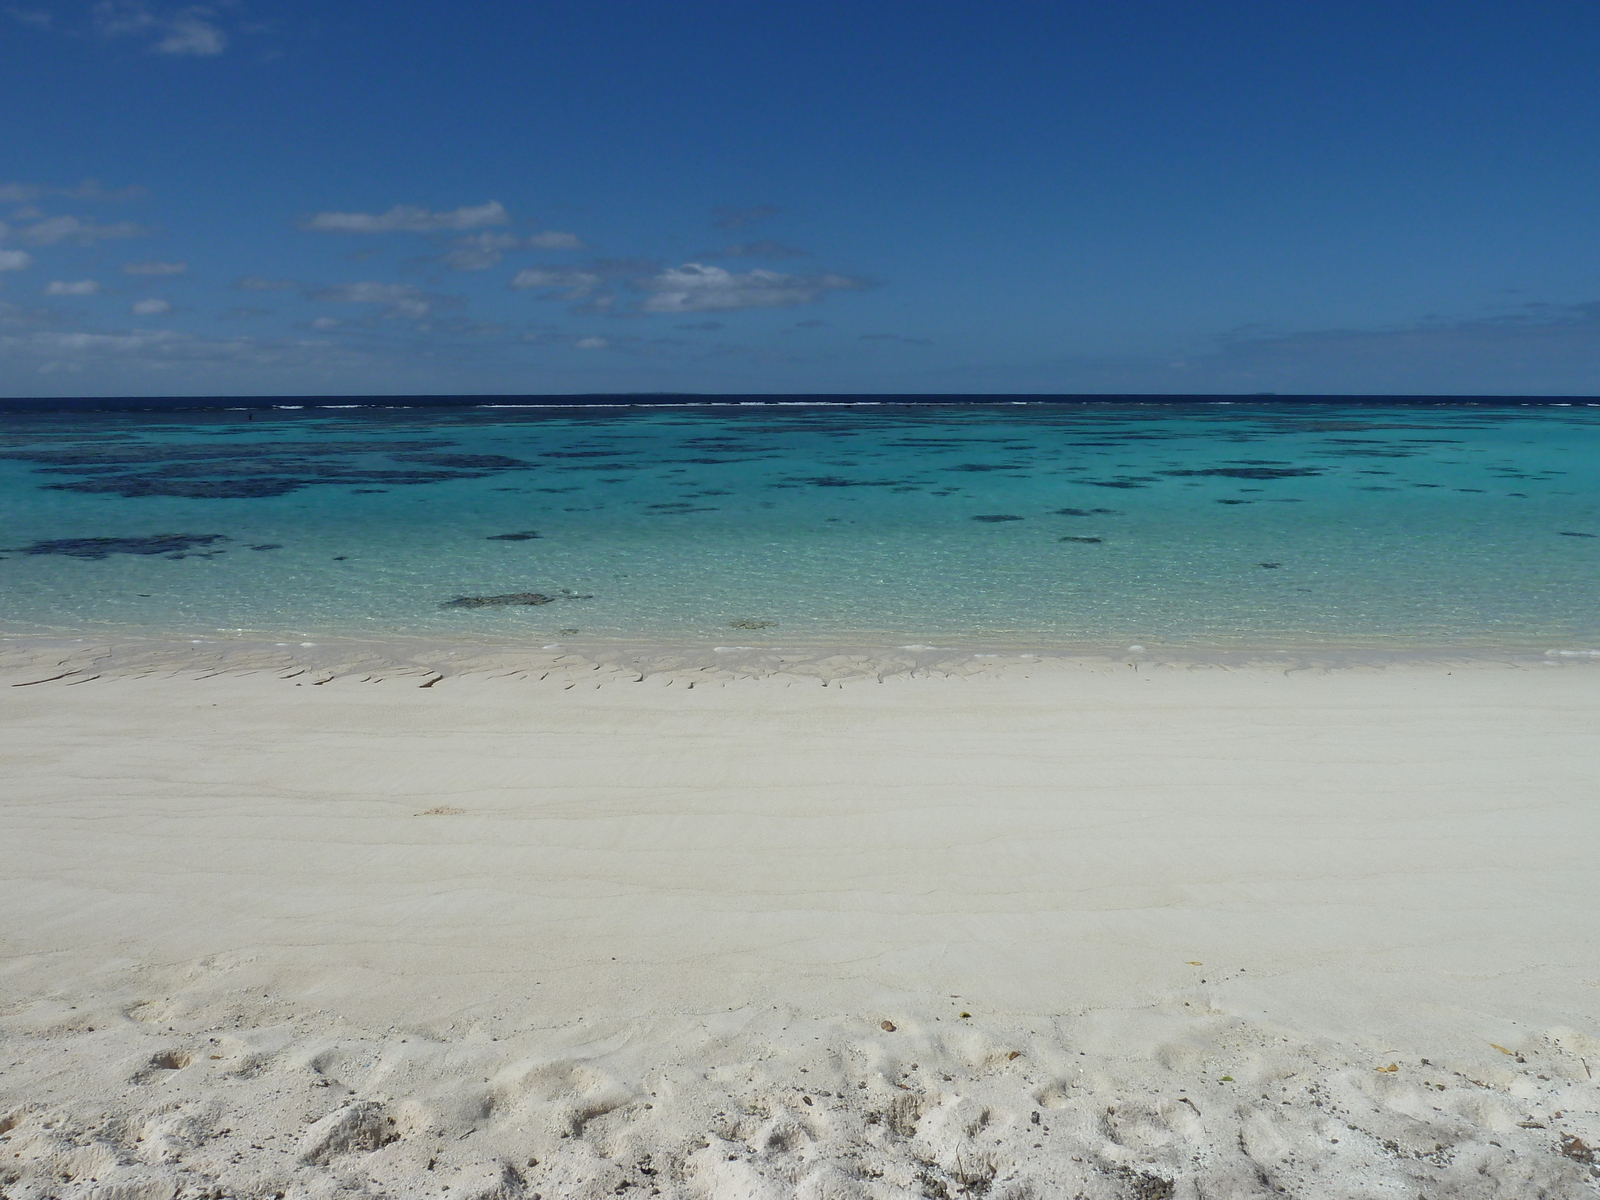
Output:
(1057, 930)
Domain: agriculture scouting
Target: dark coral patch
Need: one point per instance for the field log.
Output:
(101, 547)
(1252, 472)
(465, 462)
(511, 599)
(255, 470)
(836, 481)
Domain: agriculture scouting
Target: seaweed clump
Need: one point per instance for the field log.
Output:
(511, 599)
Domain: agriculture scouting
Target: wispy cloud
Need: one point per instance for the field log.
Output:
(155, 268)
(32, 17)
(192, 30)
(258, 283)
(1537, 349)
(762, 249)
(552, 239)
(15, 260)
(119, 360)
(575, 282)
(192, 35)
(74, 229)
(409, 218)
(741, 218)
(80, 287)
(690, 288)
(151, 307)
(397, 299)
(89, 189)
(695, 287)
(480, 251)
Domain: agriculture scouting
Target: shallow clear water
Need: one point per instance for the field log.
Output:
(1217, 525)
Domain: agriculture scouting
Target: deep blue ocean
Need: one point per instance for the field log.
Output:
(1200, 525)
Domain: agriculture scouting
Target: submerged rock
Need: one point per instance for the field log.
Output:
(510, 599)
(1070, 538)
(527, 535)
(1252, 472)
(465, 462)
(992, 518)
(100, 547)
(751, 623)
(1085, 512)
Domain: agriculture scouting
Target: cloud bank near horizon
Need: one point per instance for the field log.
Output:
(81, 328)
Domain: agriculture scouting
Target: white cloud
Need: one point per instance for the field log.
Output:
(31, 17)
(152, 307)
(89, 189)
(118, 18)
(171, 354)
(255, 283)
(483, 250)
(740, 218)
(694, 288)
(15, 260)
(183, 31)
(191, 35)
(592, 343)
(762, 249)
(409, 218)
(81, 287)
(489, 241)
(155, 268)
(367, 293)
(79, 342)
(472, 258)
(61, 229)
(326, 323)
(399, 299)
(552, 239)
(579, 284)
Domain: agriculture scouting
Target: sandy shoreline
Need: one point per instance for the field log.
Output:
(745, 654)
(570, 933)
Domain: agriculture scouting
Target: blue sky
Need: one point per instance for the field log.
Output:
(280, 197)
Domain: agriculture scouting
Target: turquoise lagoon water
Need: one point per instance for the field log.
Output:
(1206, 526)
